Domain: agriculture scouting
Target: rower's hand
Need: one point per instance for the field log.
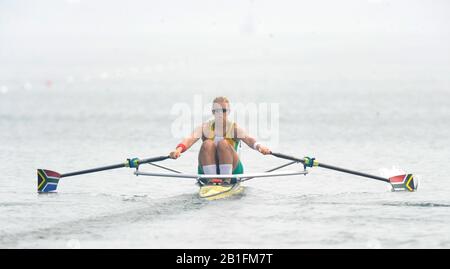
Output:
(263, 150)
(175, 154)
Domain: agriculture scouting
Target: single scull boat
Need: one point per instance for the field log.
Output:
(211, 186)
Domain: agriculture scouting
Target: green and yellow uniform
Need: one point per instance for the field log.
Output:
(230, 137)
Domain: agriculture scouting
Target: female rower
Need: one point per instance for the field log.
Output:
(220, 141)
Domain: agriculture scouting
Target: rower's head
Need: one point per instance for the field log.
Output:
(221, 107)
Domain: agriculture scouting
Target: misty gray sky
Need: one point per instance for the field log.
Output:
(112, 17)
(305, 34)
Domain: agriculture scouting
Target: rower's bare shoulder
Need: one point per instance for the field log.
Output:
(201, 126)
(201, 130)
(239, 131)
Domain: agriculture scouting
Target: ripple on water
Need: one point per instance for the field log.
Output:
(417, 204)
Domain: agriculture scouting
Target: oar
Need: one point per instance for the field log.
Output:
(48, 180)
(399, 183)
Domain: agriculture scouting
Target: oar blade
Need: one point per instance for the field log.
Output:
(404, 183)
(47, 180)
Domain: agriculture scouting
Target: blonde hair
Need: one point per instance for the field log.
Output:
(221, 99)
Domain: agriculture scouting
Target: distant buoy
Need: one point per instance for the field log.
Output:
(27, 86)
(104, 75)
(48, 83)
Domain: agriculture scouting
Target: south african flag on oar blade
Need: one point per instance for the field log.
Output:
(47, 180)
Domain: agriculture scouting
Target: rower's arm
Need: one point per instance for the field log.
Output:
(190, 140)
(251, 141)
(245, 137)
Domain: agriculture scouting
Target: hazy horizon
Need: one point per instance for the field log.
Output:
(320, 40)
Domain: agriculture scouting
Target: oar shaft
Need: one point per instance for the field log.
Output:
(344, 170)
(287, 157)
(93, 170)
(352, 172)
(114, 166)
(154, 159)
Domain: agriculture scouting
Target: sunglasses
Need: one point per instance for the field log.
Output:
(223, 110)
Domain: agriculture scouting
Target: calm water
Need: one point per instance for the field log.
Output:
(365, 125)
